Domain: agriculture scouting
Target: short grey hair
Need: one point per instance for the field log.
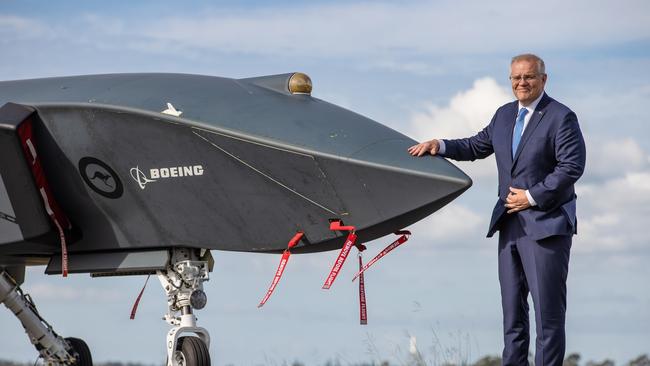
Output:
(541, 68)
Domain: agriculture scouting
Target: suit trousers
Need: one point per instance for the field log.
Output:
(538, 267)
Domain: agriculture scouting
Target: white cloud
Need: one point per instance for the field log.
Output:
(613, 216)
(468, 112)
(19, 28)
(379, 29)
(614, 193)
(423, 27)
(411, 67)
(454, 224)
(10, 22)
(608, 158)
(611, 113)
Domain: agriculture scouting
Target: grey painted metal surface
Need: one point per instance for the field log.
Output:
(9, 229)
(245, 166)
(114, 262)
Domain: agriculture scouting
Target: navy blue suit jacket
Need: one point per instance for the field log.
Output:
(549, 160)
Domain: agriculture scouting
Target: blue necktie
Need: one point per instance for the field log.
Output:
(519, 127)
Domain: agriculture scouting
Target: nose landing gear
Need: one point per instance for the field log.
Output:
(183, 283)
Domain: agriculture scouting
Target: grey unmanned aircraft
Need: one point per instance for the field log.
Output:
(139, 174)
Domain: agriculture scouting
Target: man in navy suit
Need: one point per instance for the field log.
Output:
(540, 154)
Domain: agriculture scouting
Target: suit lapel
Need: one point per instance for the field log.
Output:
(535, 119)
(510, 126)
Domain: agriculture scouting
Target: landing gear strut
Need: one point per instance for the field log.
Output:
(183, 281)
(53, 349)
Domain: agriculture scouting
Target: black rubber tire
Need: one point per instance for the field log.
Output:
(194, 350)
(83, 352)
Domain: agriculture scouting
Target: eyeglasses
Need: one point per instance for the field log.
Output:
(526, 78)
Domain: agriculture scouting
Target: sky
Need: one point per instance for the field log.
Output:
(427, 69)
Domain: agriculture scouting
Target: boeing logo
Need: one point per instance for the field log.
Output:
(156, 174)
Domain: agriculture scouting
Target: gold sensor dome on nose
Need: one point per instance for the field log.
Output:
(300, 83)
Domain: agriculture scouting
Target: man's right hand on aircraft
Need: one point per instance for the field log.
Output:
(427, 147)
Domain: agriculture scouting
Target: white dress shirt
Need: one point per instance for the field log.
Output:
(531, 108)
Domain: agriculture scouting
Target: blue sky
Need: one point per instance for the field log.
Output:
(427, 69)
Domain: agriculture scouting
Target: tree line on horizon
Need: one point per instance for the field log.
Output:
(572, 359)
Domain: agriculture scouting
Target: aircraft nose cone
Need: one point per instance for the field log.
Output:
(392, 188)
(392, 153)
(399, 183)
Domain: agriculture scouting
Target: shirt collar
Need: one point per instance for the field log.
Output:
(531, 107)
